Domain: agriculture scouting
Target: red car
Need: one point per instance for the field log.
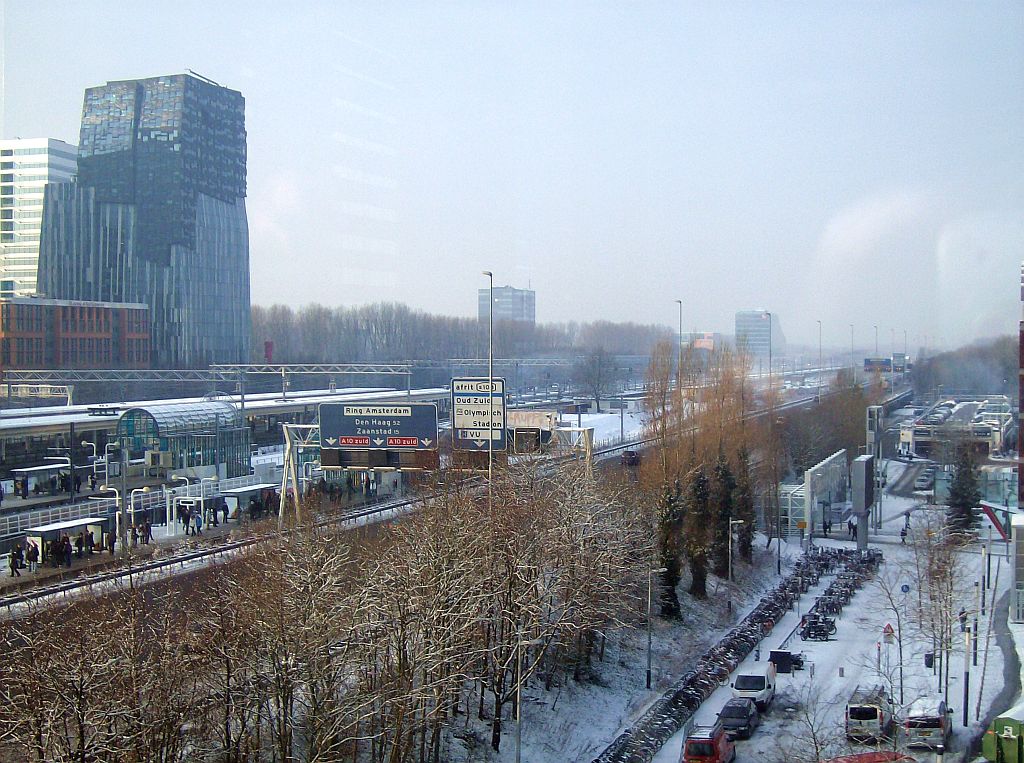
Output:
(708, 744)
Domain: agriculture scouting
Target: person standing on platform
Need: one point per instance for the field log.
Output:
(33, 557)
(12, 562)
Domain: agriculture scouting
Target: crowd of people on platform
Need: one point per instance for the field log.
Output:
(335, 491)
(59, 552)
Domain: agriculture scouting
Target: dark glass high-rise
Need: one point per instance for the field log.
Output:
(157, 215)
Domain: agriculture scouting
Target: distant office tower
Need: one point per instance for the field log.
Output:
(157, 215)
(755, 329)
(510, 304)
(26, 166)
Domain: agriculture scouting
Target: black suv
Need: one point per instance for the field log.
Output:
(739, 717)
(630, 458)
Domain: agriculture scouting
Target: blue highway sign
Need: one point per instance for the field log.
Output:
(409, 426)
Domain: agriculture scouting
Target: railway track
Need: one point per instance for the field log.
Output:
(90, 583)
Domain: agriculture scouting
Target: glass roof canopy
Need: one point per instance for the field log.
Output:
(178, 419)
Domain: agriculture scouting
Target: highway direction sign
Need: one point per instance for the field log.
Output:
(472, 401)
(409, 426)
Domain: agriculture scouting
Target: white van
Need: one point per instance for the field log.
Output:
(927, 723)
(869, 714)
(757, 684)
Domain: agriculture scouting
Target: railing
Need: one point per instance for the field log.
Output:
(14, 525)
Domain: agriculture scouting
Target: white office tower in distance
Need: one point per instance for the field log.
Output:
(510, 304)
(26, 166)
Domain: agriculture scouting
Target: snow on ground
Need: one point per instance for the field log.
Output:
(608, 426)
(577, 720)
(854, 651)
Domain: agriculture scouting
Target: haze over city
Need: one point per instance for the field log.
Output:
(850, 163)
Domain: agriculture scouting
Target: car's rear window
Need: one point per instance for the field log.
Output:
(750, 683)
(702, 749)
(924, 722)
(863, 713)
(734, 711)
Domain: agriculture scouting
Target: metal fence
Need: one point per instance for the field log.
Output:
(155, 502)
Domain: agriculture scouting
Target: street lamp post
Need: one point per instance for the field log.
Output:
(771, 446)
(180, 478)
(679, 350)
(732, 522)
(853, 356)
(876, 341)
(650, 637)
(122, 519)
(202, 494)
(87, 444)
(490, 391)
(131, 500)
(819, 361)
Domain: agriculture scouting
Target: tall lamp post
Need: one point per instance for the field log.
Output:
(771, 438)
(650, 637)
(131, 500)
(853, 356)
(122, 519)
(87, 444)
(180, 478)
(876, 341)
(819, 361)
(490, 390)
(732, 523)
(679, 351)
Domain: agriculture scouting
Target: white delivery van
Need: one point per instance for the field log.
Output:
(869, 714)
(927, 723)
(757, 684)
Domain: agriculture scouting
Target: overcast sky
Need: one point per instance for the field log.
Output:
(845, 162)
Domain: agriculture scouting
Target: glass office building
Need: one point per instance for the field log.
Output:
(157, 215)
(27, 165)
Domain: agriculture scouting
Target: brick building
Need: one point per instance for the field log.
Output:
(66, 334)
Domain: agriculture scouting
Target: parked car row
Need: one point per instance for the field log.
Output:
(926, 479)
(668, 714)
(753, 690)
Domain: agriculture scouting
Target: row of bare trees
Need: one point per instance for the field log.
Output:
(700, 478)
(392, 332)
(320, 648)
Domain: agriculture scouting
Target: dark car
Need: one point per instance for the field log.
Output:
(630, 458)
(739, 717)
